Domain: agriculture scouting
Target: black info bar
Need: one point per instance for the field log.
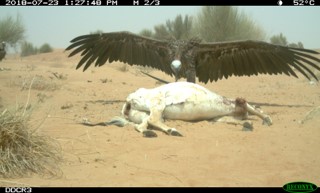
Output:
(152, 2)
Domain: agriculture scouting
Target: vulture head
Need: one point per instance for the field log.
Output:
(191, 59)
(176, 66)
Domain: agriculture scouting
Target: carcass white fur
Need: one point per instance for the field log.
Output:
(181, 101)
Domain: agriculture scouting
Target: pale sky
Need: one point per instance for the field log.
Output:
(58, 25)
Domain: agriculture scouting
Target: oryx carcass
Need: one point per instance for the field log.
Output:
(149, 108)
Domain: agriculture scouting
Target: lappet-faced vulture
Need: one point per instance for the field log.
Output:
(190, 59)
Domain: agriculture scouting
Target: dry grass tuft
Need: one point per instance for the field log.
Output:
(39, 83)
(23, 151)
(123, 68)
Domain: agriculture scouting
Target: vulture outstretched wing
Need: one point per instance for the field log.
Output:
(121, 46)
(223, 59)
(212, 61)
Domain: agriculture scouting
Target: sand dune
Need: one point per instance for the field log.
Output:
(208, 154)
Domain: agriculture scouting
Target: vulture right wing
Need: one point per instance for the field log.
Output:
(245, 58)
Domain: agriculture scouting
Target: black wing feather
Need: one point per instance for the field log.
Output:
(213, 61)
(241, 58)
(121, 46)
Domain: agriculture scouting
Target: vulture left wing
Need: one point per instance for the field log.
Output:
(121, 46)
(244, 58)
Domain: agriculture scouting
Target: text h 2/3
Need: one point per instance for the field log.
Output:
(18, 190)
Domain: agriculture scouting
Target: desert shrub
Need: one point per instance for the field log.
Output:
(38, 83)
(296, 45)
(28, 49)
(45, 48)
(23, 151)
(226, 23)
(282, 40)
(123, 67)
(279, 40)
(11, 30)
(180, 28)
(146, 33)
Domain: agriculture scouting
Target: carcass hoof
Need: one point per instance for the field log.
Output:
(174, 132)
(267, 121)
(149, 133)
(247, 126)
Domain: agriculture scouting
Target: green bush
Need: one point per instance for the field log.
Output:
(279, 40)
(226, 23)
(211, 24)
(11, 30)
(45, 48)
(28, 49)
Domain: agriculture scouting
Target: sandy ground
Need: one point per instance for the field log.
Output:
(208, 154)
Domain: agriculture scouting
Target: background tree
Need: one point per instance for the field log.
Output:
(296, 45)
(12, 30)
(99, 31)
(146, 33)
(161, 32)
(179, 28)
(45, 48)
(226, 23)
(279, 40)
(28, 49)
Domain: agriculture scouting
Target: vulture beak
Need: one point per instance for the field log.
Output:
(176, 66)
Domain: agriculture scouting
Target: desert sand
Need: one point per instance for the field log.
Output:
(209, 154)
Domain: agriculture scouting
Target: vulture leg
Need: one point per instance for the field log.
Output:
(191, 73)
